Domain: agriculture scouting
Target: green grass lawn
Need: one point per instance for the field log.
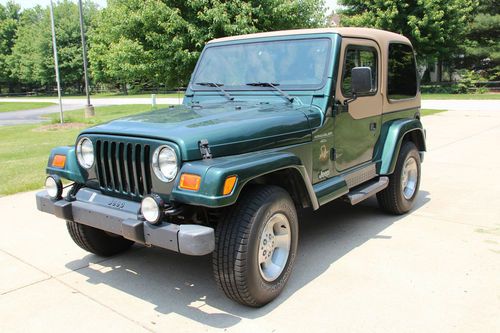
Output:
(102, 114)
(18, 106)
(110, 95)
(24, 149)
(428, 112)
(461, 96)
(175, 95)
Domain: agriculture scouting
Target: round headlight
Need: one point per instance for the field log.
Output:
(165, 163)
(152, 208)
(53, 186)
(85, 153)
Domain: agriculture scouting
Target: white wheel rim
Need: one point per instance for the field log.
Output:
(274, 247)
(409, 178)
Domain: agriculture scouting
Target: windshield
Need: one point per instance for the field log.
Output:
(291, 64)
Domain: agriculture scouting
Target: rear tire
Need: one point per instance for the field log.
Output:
(97, 241)
(256, 246)
(399, 197)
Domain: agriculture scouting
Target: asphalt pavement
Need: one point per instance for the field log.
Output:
(436, 269)
(34, 116)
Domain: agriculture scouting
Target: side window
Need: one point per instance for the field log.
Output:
(402, 72)
(359, 56)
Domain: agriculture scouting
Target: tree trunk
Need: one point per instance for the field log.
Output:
(440, 70)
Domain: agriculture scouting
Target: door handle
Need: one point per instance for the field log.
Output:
(373, 126)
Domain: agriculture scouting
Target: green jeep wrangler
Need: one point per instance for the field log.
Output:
(270, 123)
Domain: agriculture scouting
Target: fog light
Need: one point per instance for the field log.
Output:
(54, 187)
(152, 208)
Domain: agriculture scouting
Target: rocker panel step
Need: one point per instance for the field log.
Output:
(365, 191)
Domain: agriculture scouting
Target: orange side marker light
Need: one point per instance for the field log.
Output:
(229, 185)
(190, 182)
(59, 161)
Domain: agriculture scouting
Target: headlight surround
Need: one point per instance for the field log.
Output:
(85, 153)
(164, 163)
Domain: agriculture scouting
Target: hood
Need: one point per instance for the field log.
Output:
(230, 128)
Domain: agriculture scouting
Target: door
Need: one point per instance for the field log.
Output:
(357, 127)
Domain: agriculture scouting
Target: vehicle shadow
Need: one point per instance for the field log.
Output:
(184, 285)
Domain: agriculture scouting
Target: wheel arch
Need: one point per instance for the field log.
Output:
(395, 134)
(417, 137)
(292, 181)
(282, 169)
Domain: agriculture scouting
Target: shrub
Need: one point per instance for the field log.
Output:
(439, 89)
(468, 81)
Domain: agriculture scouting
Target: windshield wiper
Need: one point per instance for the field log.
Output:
(216, 85)
(272, 85)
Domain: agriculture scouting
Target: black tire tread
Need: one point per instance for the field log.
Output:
(96, 241)
(229, 257)
(388, 198)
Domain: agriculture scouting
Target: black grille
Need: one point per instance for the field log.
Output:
(123, 167)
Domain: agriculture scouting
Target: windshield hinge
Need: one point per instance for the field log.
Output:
(205, 149)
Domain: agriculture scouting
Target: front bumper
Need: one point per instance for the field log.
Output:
(119, 216)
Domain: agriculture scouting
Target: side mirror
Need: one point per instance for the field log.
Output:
(361, 80)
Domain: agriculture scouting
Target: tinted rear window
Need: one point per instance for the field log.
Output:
(402, 78)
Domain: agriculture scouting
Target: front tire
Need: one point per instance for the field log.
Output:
(399, 197)
(97, 241)
(256, 246)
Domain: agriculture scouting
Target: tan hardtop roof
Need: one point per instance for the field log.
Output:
(382, 37)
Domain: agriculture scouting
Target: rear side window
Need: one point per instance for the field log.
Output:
(359, 56)
(402, 76)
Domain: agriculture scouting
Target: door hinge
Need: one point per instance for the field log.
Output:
(339, 107)
(333, 154)
(204, 149)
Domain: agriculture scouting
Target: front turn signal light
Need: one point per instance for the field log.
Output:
(229, 185)
(190, 182)
(59, 161)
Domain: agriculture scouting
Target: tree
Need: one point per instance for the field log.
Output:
(436, 28)
(157, 42)
(32, 60)
(482, 50)
(9, 19)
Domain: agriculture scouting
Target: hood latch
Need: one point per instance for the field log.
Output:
(204, 149)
